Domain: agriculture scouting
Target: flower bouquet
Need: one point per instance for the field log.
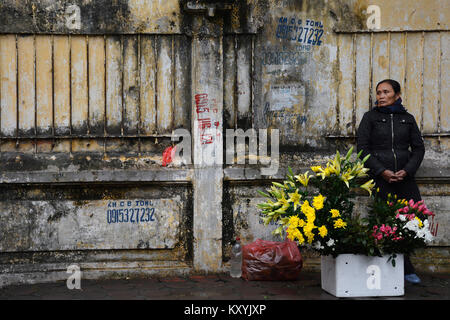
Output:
(400, 226)
(316, 209)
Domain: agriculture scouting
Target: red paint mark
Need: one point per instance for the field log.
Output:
(201, 102)
(206, 138)
(203, 105)
(168, 155)
(204, 123)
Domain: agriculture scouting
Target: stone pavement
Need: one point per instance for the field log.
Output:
(212, 287)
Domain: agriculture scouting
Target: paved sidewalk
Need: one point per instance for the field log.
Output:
(211, 287)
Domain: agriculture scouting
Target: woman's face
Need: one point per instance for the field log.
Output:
(386, 95)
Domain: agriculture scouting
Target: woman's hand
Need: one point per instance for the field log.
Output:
(389, 176)
(401, 175)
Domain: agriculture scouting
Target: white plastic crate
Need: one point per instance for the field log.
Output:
(352, 275)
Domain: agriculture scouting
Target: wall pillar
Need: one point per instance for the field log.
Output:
(207, 141)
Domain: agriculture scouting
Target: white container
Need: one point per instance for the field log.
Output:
(354, 275)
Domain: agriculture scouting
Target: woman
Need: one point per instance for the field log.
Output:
(391, 136)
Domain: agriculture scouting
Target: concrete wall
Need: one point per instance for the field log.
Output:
(91, 91)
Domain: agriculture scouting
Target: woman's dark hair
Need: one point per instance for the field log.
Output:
(394, 84)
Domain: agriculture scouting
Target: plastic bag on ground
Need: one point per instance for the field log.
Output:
(271, 260)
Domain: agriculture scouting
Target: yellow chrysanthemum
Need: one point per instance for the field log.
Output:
(323, 231)
(307, 230)
(294, 221)
(301, 223)
(309, 212)
(316, 169)
(305, 207)
(299, 237)
(295, 234)
(339, 223)
(318, 202)
(335, 213)
(290, 234)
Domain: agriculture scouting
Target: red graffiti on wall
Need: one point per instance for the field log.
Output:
(202, 107)
(201, 103)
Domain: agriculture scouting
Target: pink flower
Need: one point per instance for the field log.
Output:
(411, 203)
(428, 212)
(377, 236)
(387, 230)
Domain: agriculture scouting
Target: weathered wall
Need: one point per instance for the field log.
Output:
(90, 17)
(315, 89)
(90, 92)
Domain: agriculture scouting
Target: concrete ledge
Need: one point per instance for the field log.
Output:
(103, 176)
(424, 174)
(44, 273)
(174, 175)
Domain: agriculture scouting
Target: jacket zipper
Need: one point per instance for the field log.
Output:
(393, 151)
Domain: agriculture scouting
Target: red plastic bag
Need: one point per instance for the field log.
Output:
(271, 260)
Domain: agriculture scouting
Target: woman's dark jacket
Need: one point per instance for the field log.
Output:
(392, 138)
